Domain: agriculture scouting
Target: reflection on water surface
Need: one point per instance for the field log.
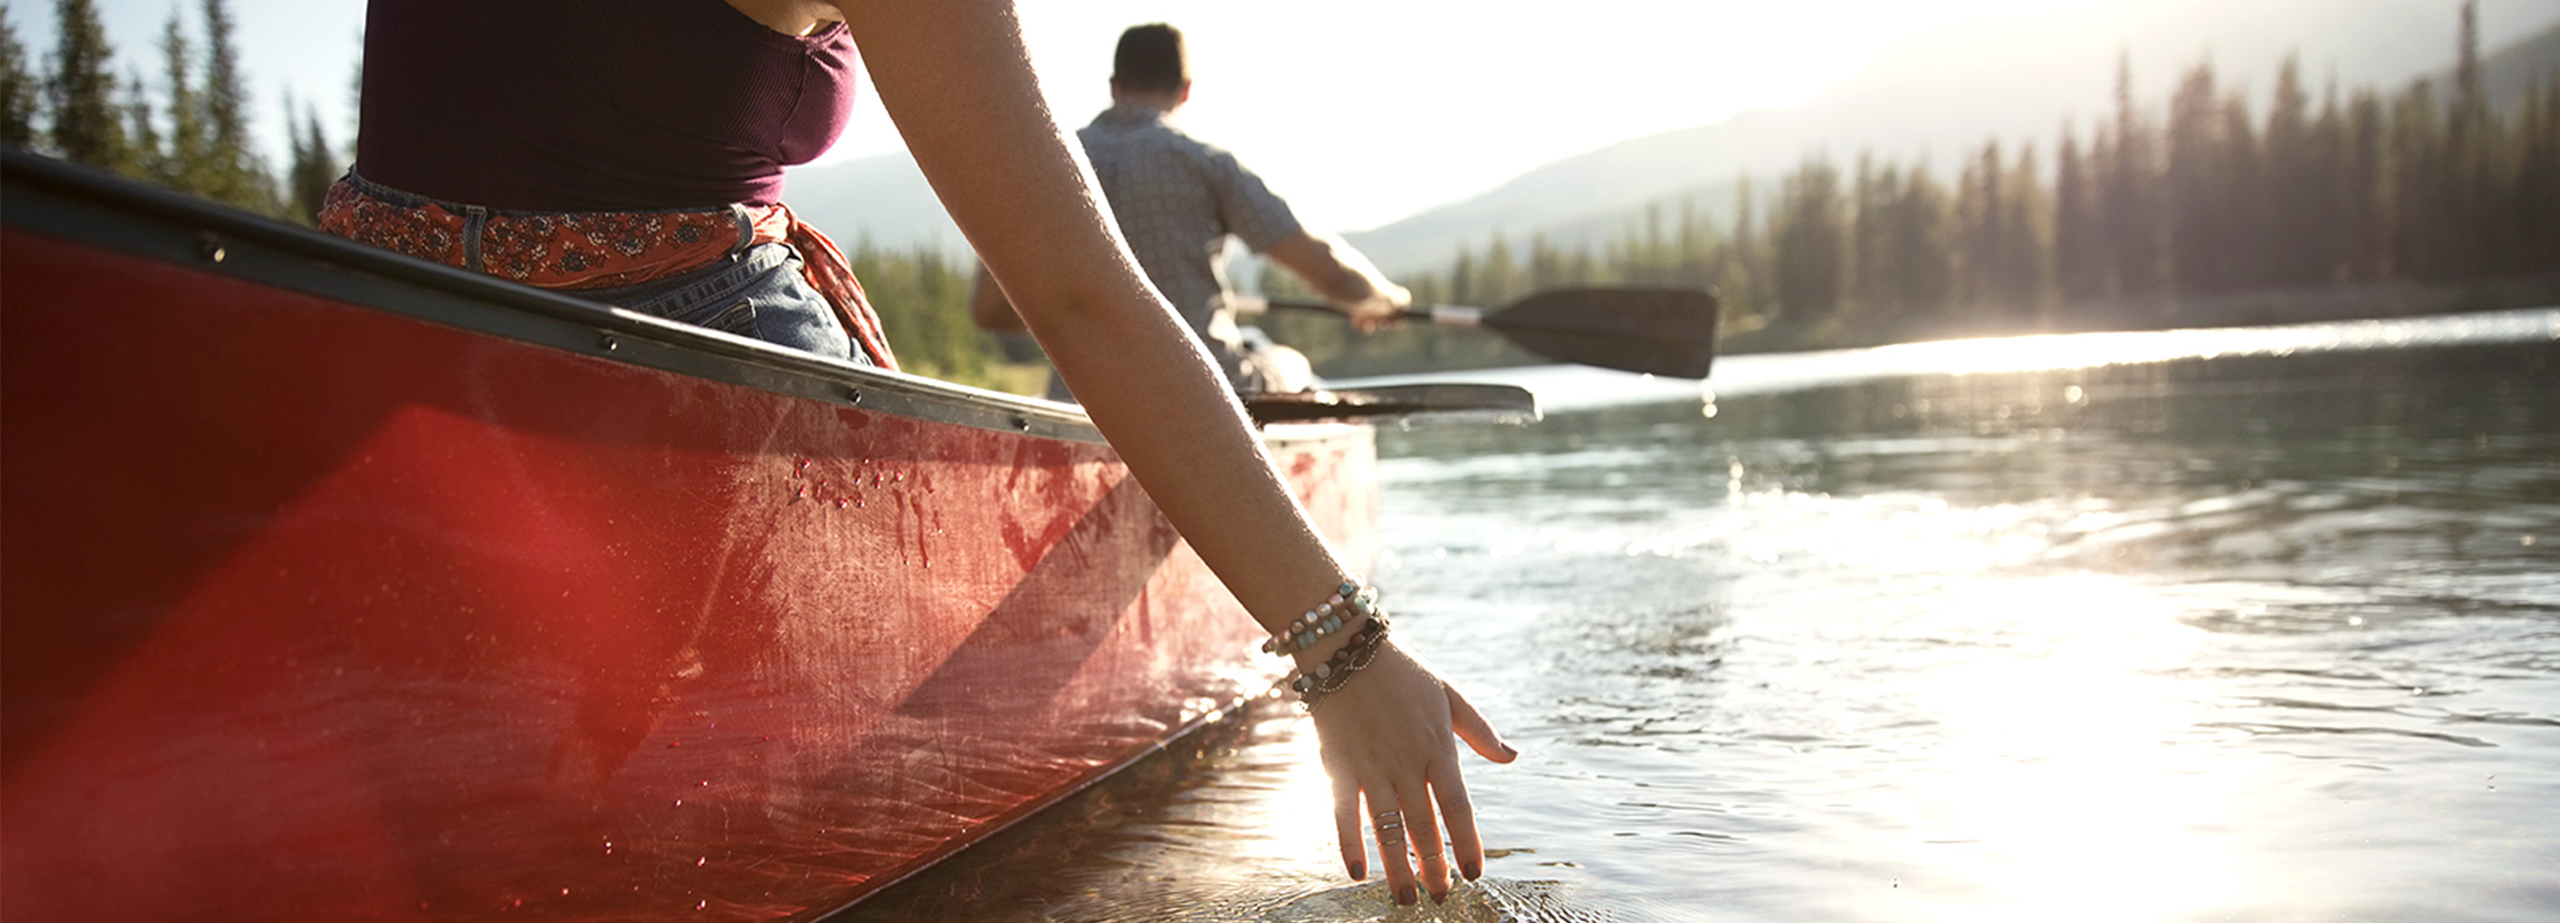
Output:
(2261, 631)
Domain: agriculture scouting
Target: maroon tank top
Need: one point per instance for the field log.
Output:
(594, 105)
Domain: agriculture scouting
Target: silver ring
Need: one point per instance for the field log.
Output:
(1388, 820)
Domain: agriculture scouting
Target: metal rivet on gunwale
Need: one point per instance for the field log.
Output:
(209, 247)
(608, 342)
(853, 395)
(1022, 423)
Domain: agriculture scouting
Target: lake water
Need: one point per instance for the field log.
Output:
(2236, 625)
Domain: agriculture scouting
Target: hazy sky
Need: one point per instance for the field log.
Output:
(1360, 111)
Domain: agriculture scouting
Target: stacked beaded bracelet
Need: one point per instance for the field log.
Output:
(1346, 606)
(1314, 683)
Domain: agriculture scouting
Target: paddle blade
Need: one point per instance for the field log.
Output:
(1658, 331)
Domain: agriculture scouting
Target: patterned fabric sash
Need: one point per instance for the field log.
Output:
(576, 251)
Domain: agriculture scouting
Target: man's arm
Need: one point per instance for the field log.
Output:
(1343, 277)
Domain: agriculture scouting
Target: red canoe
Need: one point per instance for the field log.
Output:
(340, 586)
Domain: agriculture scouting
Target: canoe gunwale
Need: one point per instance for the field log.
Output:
(96, 207)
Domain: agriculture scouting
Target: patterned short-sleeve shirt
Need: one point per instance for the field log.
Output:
(1177, 199)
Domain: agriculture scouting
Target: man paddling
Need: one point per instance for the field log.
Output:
(1179, 199)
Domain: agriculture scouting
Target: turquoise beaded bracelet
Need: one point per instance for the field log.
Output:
(1348, 604)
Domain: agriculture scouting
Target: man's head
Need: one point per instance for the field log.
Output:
(1150, 65)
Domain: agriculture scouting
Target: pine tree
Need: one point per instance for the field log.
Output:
(2246, 204)
(88, 125)
(1499, 280)
(1699, 241)
(2363, 209)
(142, 129)
(2537, 195)
(315, 167)
(2420, 187)
(2293, 246)
(1807, 241)
(1978, 215)
(2026, 243)
(235, 174)
(2197, 232)
(1921, 219)
(186, 163)
(2079, 265)
(1740, 273)
(2322, 225)
(2468, 145)
(21, 96)
(1867, 293)
(2130, 198)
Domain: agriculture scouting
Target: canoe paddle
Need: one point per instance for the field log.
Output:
(1657, 331)
(1499, 403)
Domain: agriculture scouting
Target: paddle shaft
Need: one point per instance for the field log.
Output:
(1656, 331)
(1446, 315)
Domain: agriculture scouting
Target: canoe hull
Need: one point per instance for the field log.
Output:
(317, 609)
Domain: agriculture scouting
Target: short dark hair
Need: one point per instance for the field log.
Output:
(1151, 58)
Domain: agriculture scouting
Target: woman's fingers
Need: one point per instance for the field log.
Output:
(1477, 732)
(1346, 826)
(1387, 820)
(1449, 787)
(1423, 833)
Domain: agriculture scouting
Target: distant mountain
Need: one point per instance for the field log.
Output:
(883, 199)
(2016, 79)
(2509, 72)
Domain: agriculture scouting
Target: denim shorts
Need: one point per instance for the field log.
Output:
(756, 293)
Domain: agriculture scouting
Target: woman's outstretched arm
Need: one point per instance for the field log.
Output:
(955, 77)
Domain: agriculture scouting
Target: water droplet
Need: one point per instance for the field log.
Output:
(803, 466)
(698, 863)
(842, 502)
(679, 802)
(697, 905)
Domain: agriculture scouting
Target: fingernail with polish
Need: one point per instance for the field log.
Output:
(1439, 897)
(1360, 872)
(1471, 870)
(1406, 898)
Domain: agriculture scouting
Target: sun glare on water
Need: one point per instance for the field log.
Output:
(2061, 790)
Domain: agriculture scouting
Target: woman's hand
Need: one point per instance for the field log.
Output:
(1387, 738)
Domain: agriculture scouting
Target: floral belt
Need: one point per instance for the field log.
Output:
(576, 251)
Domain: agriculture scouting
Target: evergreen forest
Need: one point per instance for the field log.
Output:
(2333, 203)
